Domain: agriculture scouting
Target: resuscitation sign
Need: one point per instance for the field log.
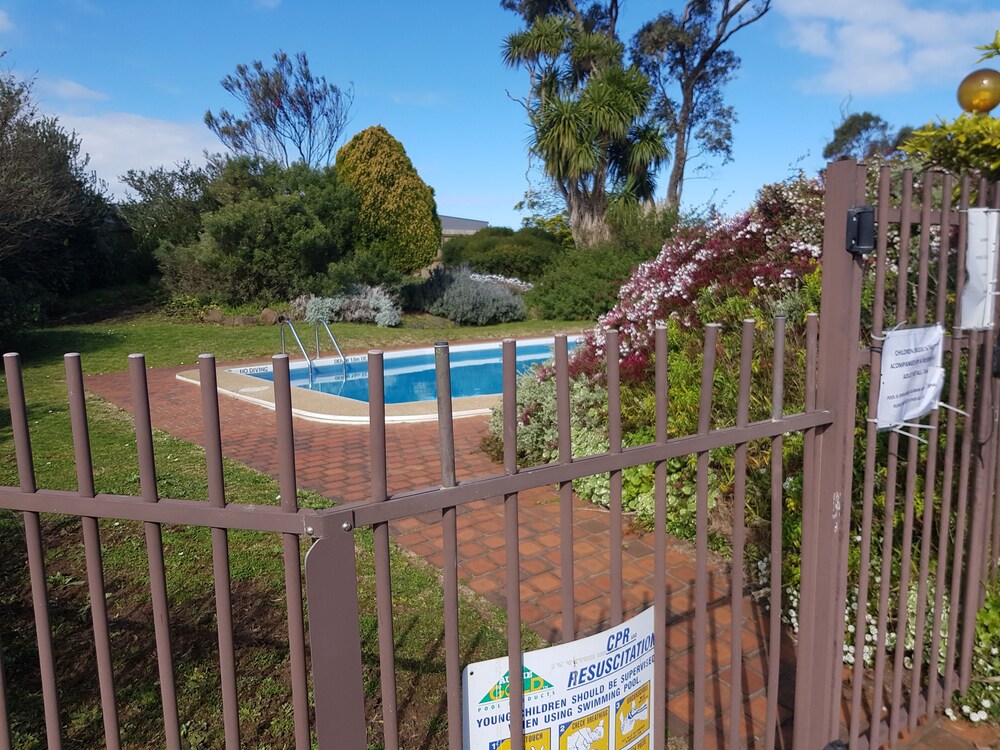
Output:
(912, 375)
(591, 694)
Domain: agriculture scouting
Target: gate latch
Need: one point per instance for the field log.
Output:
(861, 230)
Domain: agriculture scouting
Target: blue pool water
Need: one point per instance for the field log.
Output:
(409, 376)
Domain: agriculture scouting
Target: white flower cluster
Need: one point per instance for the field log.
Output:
(507, 281)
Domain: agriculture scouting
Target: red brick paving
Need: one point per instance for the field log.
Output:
(333, 460)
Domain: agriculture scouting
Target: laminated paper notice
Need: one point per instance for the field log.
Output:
(591, 694)
(976, 304)
(912, 375)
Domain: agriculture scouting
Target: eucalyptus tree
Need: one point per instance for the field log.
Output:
(862, 135)
(291, 114)
(684, 56)
(587, 110)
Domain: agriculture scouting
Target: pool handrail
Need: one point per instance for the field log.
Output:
(282, 322)
(333, 340)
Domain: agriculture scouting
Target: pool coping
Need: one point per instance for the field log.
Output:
(325, 407)
(332, 409)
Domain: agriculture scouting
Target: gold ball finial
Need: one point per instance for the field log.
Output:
(979, 92)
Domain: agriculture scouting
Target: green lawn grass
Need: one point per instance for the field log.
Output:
(255, 559)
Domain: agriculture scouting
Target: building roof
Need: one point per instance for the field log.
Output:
(455, 225)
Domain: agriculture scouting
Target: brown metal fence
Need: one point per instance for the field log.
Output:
(959, 531)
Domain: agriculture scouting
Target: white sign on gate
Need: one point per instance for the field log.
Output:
(591, 694)
(912, 375)
(983, 238)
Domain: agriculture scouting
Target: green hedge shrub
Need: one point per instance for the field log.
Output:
(275, 229)
(582, 284)
(523, 254)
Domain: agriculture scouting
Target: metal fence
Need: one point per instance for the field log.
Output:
(958, 533)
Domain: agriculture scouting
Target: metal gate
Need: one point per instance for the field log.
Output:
(910, 516)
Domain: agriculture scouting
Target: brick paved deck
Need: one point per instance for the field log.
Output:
(333, 460)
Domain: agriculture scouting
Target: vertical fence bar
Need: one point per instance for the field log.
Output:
(994, 548)
(739, 538)
(511, 546)
(220, 550)
(924, 247)
(288, 489)
(154, 549)
(892, 466)
(660, 546)
(943, 667)
(935, 675)
(449, 534)
(821, 611)
(383, 577)
(930, 467)
(974, 589)
(701, 544)
(335, 642)
(36, 553)
(884, 583)
(871, 443)
(615, 480)
(777, 508)
(4, 713)
(912, 456)
(903, 277)
(955, 606)
(446, 427)
(565, 491)
(92, 550)
(902, 607)
(991, 528)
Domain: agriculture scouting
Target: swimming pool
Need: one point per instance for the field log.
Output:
(410, 375)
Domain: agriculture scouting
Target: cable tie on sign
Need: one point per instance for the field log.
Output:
(913, 424)
(955, 409)
(910, 435)
(895, 427)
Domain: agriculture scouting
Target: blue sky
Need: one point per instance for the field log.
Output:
(134, 77)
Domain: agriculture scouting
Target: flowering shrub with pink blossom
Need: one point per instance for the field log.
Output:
(766, 251)
(758, 263)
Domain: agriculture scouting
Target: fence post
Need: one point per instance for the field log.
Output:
(335, 641)
(826, 502)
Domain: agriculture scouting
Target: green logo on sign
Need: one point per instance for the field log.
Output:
(501, 691)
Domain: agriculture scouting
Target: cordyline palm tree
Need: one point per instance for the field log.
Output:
(588, 115)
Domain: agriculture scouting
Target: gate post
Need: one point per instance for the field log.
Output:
(335, 640)
(827, 490)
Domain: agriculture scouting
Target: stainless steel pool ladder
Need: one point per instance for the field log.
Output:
(309, 360)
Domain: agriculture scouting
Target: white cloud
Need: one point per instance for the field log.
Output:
(118, 142)
(6, 24)
(71, 90)
(886, 46)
